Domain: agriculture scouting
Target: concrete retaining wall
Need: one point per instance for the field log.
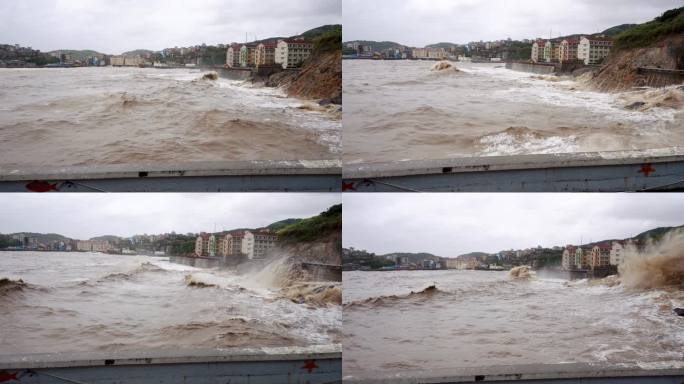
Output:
(656, 77)
(532, 68)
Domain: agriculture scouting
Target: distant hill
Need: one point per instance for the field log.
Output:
(313, 228)
(282, 224)
(110, 238)
(618, 29)
(377, 45)
(78, 55)
(319, 31)
(443, 45)
(412, 257)
(137, 52)
(44, 237)
(472, 255)
(656, 233)
(669, 23)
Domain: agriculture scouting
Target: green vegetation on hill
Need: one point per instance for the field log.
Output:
(618, 29)
(330, 40)
(377, 45)
(656, 234)
(278, 225)
(320, 31)
(314, 227)
(137, 52)
(642, 35)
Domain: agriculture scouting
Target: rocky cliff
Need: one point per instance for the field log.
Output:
(620, 69)
(319, 78)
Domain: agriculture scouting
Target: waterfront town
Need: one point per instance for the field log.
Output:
(594, 259)
(286, 53)
(586, 49)
(239, 244)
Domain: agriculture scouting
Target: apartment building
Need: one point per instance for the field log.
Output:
(247, 54)
(233, 55)
(202, 245)
(538, 51)
(232, 244)
(592, 50)
(568, 259)
(93, 245)
(600, 255)
(568, 50)
(256, 244)
(265, 54)
(291, 53)
(211, 246)
(551, 51)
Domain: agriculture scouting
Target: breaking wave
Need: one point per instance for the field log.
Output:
(523, 140)
(145, 267)
(671, 97)
(195, 282)
(521, 272)
(9, 286)
(659, 264)
(235, 332)
(313, 294)
(428, 293)
(443, 66)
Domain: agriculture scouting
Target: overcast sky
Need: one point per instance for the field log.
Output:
(451, 224)
(82, 216)
(116, 26)
(420, 22)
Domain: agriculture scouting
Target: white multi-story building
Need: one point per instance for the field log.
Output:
(93, 245)
(202, 245)
(233, 55)
(568, 50)
(265, 54)
(538, 51)
(551, 50)
(600, 255)
(247, 54)
(291, 53)
(568, 260)
(592, 50)
(256, 244)
(232, 244)
(211, 246)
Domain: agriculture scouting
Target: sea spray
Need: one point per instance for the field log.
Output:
(521, 272)
(658, 264)
(443, 65)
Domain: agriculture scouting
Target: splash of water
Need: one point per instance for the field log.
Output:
(521, 272)
(658, 264)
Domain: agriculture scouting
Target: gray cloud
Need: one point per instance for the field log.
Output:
(84, 216)
(115, 26)
(451, 224)
(419, 22)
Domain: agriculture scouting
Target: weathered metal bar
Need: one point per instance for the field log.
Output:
(318, 364)
(667, 372)
(228, 176)
(661, 169)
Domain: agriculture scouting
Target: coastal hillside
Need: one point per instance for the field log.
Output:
(317, 239)
(658, 43)
(321, 75)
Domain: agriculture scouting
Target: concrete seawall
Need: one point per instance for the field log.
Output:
(322, 272)
(544, 69)
(657, 77)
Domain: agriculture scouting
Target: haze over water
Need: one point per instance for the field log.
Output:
(84, 116)
(480, 318)
(81, 302)
(403, 110)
